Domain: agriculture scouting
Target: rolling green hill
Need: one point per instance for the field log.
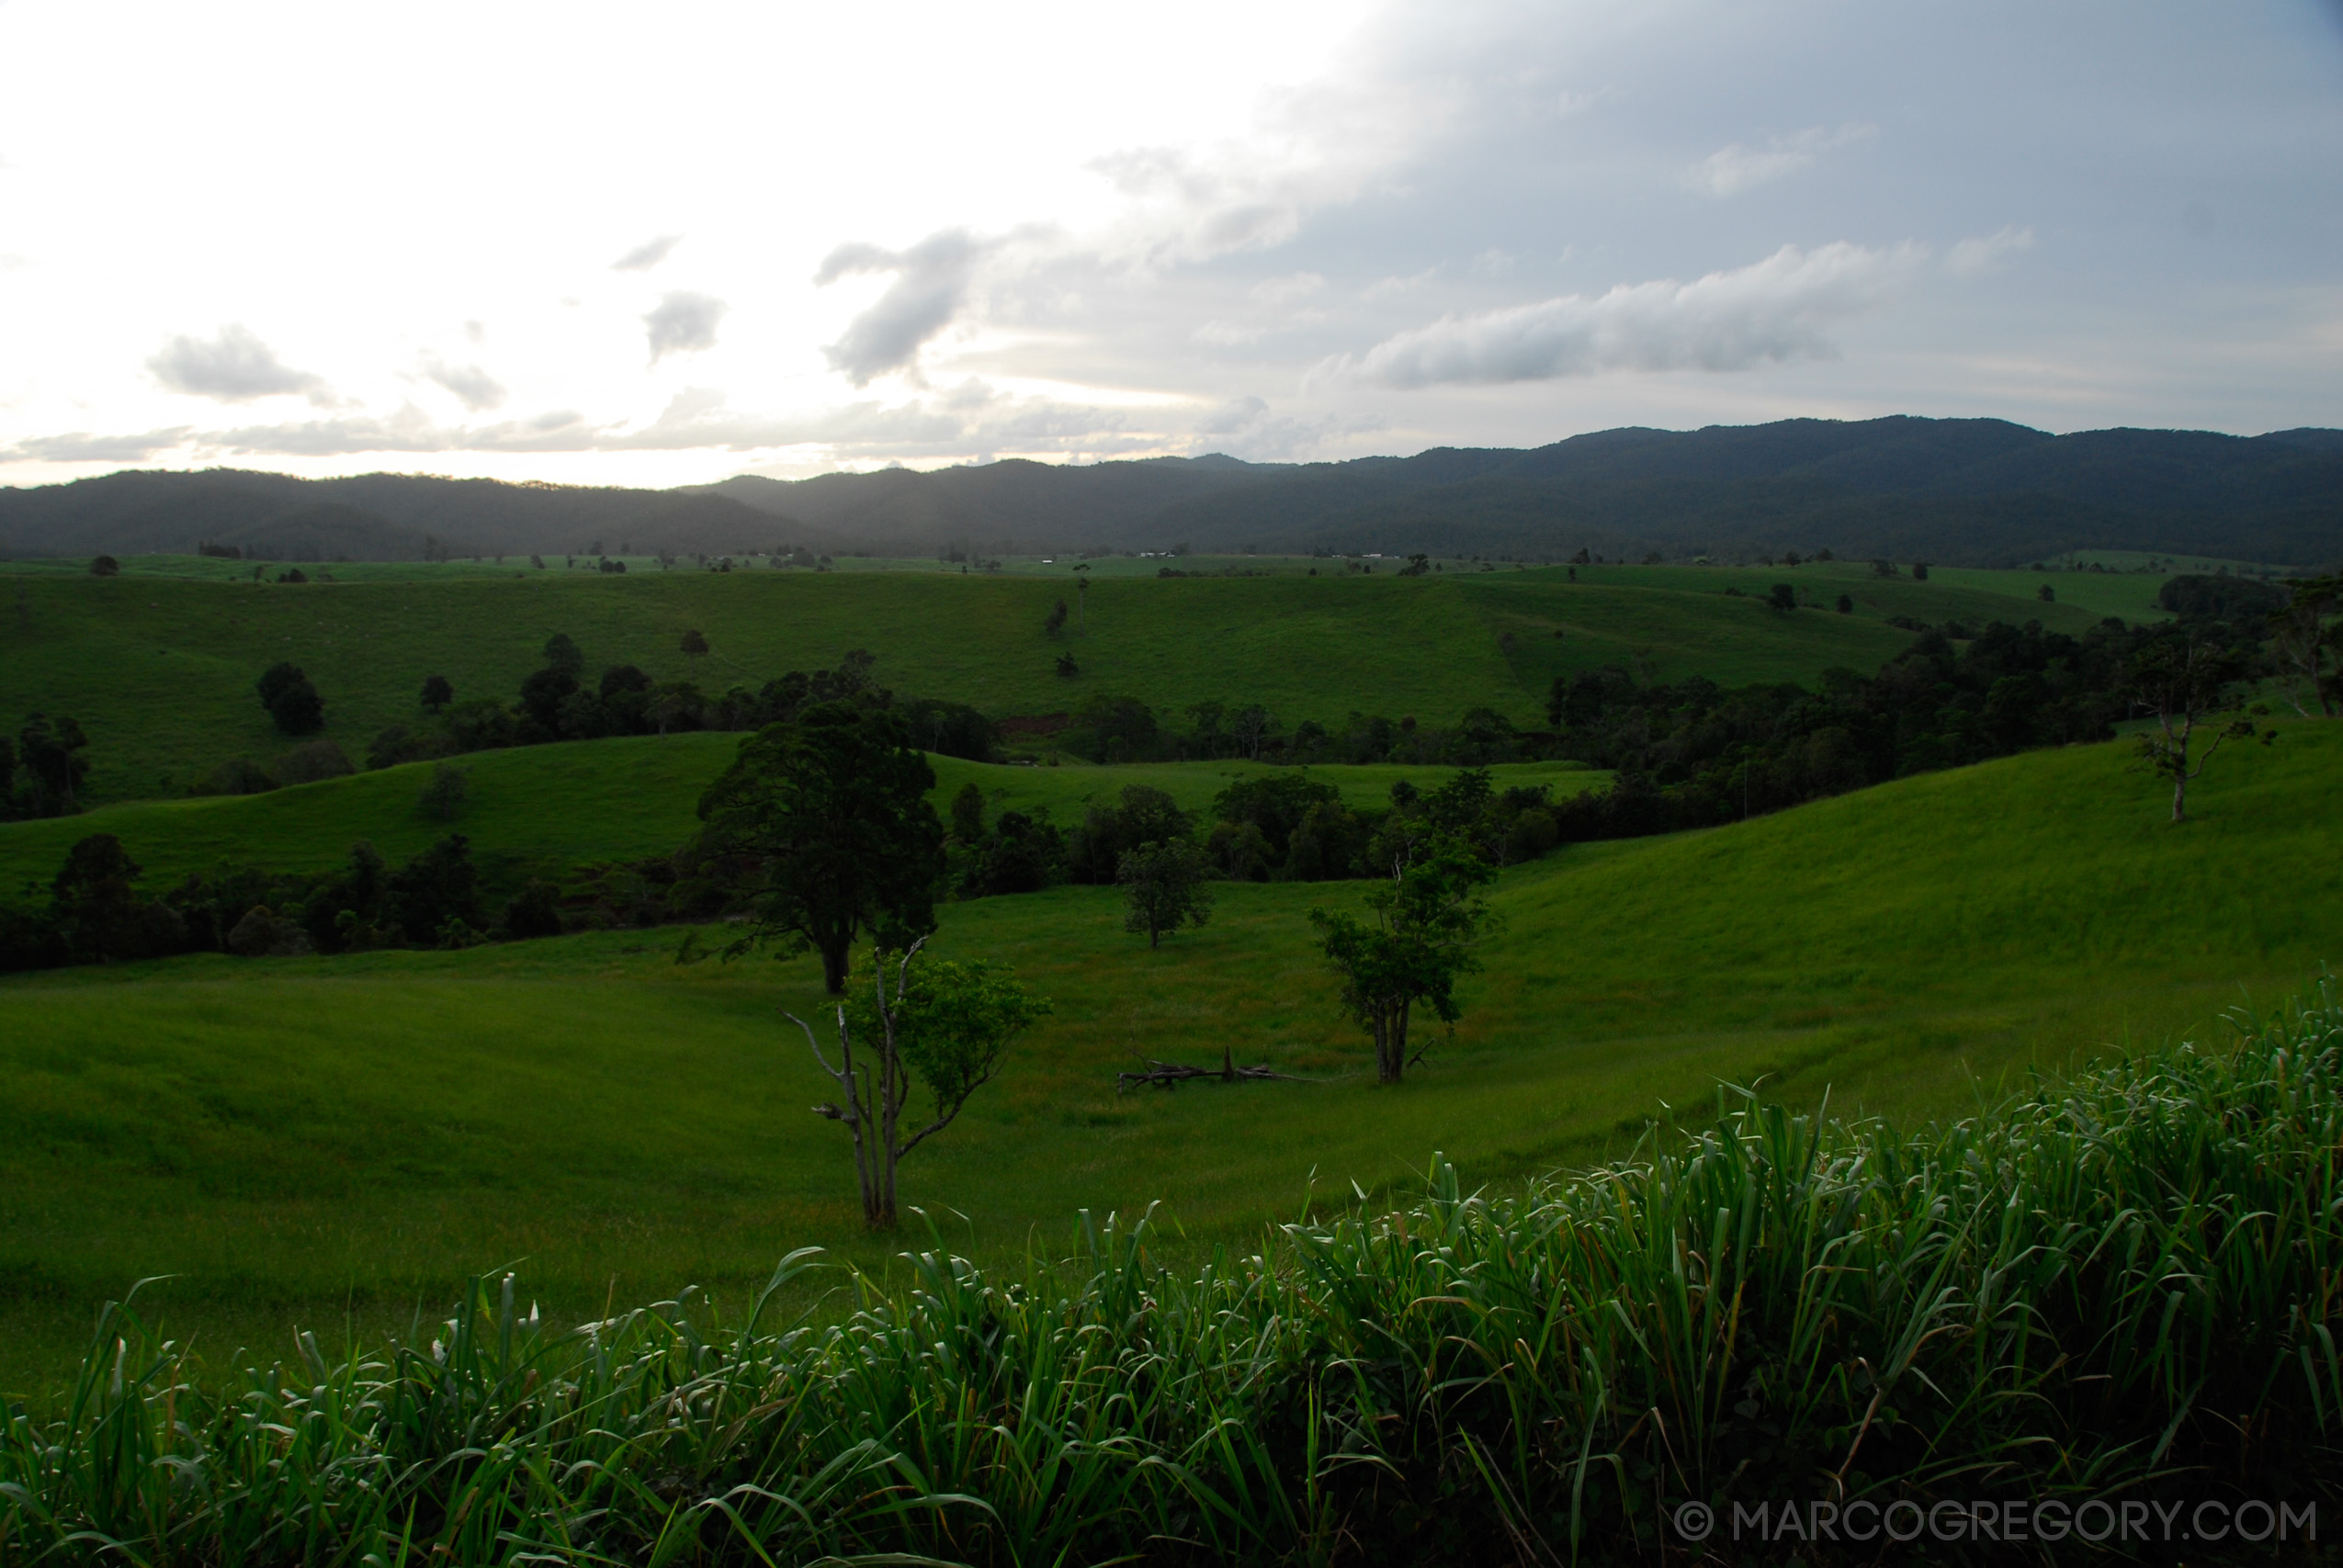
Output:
(310, 1138)
(538, 810)
(159, 670)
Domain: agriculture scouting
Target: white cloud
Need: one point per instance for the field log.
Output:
(1989, 253)
(1736, 168)
(473, 387)
(931, 281)
(682, 323)
(234, 367)
(648, 254)
(82, 448)
(1276, 292)
(1769, 311)
(1244, 428)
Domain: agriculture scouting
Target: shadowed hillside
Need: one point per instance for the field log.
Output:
(1976, 492)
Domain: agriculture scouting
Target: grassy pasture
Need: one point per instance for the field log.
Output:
(312, 1139)
(159, 667)
(538, 810)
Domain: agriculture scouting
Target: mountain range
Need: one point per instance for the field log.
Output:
(1982, 492)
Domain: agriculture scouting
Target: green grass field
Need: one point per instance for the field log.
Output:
(540, 810)
(330, 1140)
(159, 666)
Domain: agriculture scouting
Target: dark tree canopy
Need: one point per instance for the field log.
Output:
(695, 644)
(437, 693)
(1163, 887)
(829, 817)
(291, 700)
(562, 653)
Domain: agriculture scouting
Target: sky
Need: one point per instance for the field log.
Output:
(659, 245)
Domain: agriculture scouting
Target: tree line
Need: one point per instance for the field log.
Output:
(1694, 754)
(95, 913)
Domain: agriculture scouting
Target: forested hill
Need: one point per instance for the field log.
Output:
(1978, 493)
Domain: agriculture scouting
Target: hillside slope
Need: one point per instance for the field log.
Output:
(543, 810)
(160, 672)
(1977, 492)
(301, 1137)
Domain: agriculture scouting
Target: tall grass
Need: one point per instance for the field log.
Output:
(2117, 1282)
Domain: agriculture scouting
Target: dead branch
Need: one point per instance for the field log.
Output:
(1171, 1075)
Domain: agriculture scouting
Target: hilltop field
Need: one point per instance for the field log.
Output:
(336, 1142)
(158, 664)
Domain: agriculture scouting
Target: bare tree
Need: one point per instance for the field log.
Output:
(949, 1025)
(2183, 681)
(2306, 649)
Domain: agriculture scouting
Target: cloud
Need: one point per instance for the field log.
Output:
(474, 387)
(81, 447)
(648, 254)
(1276, 292)
(683, 323)
(1736, 168)
(234, 367)
(1988, 254)
(1770, 312)
(1244, 428)
(931, 285)
(968, 418)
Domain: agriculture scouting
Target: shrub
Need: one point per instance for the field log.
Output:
(534, 912)
(241, 776)
(105, 565)
(444, 797)
(308, 763)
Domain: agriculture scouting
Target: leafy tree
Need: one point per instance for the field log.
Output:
(437, 693)
(1020, 855)
(1056, 620)
(310, 761)
(2308, 650)
(534, 912)
(542, 695)
(694, 645)
(1252, 727)
(950, 729)
(562, 653)
(1066, 666)
(831, 814)
(1416, 945)
(948, 1025)
(674, 704)
(105, 565)
(2183, 680)
(1846, 605)
(291, 700)
(967, 814)
(7, 778)
(444, 797)
(1919, 571)
(50, 749)
(94, 907)
(437, 887)
(1782, 597)
(2046, 594)
(1164, 885)
(1274, 802)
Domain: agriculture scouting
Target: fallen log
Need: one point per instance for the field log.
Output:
(1171, 1075)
